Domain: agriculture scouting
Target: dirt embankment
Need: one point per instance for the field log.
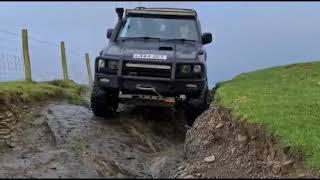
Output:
(218, 146)
(19, 98)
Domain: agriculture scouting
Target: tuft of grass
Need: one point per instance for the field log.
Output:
(27, 92)
(283, 99)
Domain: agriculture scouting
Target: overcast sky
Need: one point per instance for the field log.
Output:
(247, 35)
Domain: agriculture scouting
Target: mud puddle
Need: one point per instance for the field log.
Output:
(59, 140)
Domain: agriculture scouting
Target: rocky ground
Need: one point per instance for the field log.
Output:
(218, 146)
(59, 140)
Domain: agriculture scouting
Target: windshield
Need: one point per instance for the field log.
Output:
(160, 28)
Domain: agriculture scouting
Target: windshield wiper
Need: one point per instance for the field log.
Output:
(142, 37)
(179, 39)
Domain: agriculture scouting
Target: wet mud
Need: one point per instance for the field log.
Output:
(59, 140)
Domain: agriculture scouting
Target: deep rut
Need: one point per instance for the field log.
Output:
(60, 140)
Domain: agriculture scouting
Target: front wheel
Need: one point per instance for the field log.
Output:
(104, 102)
(196, 106)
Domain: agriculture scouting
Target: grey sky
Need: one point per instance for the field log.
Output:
(247, 35)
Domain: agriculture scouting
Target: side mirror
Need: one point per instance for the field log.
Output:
(206, 38)
(109, 32)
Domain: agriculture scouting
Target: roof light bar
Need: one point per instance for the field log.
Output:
(171, 12)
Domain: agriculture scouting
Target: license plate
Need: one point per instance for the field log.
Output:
(150, 56)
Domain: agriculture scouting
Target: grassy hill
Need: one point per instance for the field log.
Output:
(283, 99)
(14, 93)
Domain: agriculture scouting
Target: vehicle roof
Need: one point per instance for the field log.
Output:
(162, 11)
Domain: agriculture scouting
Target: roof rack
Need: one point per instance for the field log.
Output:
(172, 9)
(162, 11)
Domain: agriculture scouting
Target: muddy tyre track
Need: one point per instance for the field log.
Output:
(60, 140)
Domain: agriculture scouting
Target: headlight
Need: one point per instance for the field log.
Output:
(101, 64)
(113, 64)
(185, 68)
(197, 68)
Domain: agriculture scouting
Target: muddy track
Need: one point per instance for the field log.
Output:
(59, 140)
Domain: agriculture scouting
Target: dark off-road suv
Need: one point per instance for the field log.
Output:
(155, 57)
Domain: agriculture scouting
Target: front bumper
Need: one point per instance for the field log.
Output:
(166, 87)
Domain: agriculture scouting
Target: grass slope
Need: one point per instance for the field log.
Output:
(283, 99)
(25, 92)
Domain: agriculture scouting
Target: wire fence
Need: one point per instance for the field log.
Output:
(77, 68)
(11, 63)
(45, 60)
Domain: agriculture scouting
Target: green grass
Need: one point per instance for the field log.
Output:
(283, 99)
(27, 92)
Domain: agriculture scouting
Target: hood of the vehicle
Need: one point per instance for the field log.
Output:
(172, 51)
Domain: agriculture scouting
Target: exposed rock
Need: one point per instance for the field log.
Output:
(241, 138)
(9, 114)
(189, 177)
(289, 162)
(180, 168)
(210, 159)
(233, 150)
(4, 131)
(219, 125)
(249, 170)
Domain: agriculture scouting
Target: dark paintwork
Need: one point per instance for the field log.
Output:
(182, 52)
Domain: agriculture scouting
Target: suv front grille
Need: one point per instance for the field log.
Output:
(147, 70)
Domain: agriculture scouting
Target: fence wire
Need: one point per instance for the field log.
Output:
(11, 64)
(77, 68)
(45, 59)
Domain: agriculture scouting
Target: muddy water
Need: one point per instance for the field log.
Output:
(60, 140)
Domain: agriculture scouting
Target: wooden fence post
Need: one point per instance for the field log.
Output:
(89, 69)
(64, 61)
(26, 57)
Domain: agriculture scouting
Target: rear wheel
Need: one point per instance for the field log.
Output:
(104, 102)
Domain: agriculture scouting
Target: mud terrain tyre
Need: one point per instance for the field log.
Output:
(104, 102)
(198, 105)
